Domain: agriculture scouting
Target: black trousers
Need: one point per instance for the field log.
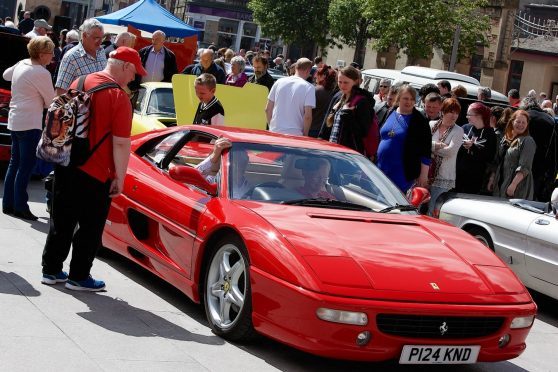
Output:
(78, 200)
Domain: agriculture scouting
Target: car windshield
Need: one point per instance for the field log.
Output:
(309, 177)
(161, 102)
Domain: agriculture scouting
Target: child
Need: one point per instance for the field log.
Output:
(210, 111)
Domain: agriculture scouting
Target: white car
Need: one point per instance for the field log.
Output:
(523, 233)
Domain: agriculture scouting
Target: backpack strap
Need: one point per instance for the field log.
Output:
(103, 86)
(81, 83)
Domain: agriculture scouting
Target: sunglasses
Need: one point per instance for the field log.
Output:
(384, 86)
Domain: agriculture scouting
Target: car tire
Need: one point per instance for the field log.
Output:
(227, 291)
(482, 236)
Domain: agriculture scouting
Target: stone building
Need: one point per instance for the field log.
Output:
(512, 59)
(225, 23)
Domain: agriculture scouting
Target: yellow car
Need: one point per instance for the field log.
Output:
(153, 107)
(160, 105)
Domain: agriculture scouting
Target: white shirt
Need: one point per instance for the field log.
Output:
(447, 172)
(290, 96)
(155, 65)
(32, 91)
(32, 34)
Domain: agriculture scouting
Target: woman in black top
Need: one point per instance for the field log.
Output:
(477, 151)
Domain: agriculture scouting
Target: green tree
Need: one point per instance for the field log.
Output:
(350, 23)
(418, 26)
(302, 22)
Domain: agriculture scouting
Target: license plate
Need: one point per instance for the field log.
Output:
(435, 354)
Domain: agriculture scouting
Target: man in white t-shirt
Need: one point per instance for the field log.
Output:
(290, 102)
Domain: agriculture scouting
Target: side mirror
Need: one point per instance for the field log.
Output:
(419, 196)
(193, 177)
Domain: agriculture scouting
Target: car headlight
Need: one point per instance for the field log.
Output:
(522, 322)
(339, 316)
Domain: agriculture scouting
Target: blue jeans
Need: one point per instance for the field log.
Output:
(22, 162)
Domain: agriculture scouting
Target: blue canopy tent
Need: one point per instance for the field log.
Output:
(149, 16)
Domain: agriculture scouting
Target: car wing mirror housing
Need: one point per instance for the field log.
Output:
(419, 196)
(193, 177)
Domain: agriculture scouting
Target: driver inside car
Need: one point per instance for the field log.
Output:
(316, 174)
(210, 166)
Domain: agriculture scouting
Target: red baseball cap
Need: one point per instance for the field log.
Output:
(127, 54)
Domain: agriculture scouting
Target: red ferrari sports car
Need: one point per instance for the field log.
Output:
(308, 243)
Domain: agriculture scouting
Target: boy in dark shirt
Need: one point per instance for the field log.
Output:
(210, 111)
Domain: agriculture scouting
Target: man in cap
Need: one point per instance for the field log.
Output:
(40, 29)
(82, 194)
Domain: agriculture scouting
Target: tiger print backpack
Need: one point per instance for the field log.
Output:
(64, 140)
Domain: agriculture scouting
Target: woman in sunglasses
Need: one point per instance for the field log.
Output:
(477, 151)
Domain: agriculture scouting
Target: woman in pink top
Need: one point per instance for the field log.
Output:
(32, 91)
(237, 77)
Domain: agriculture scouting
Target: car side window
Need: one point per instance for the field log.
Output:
(160, 149)
(140, 95)
(194, 151)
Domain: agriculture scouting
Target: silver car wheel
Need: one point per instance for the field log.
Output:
(226, 286)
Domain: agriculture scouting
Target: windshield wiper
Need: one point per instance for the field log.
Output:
(401, 207)
(325, 203)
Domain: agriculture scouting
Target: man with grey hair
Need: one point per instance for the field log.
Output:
(158, 60)
(484, 94)
(125, 38)
(206, 66)
(290, 102)
(384, 86)
(85, 58)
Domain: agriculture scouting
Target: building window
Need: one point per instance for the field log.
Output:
(514, 75)
(476, 68)
(227, 30)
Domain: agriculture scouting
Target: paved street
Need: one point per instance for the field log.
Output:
(142, 324)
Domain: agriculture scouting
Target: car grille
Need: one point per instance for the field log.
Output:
(418, 326)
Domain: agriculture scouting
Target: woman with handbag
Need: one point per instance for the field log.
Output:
(447, 138)
(351, 121)
(32, 91)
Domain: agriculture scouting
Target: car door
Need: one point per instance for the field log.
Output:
(541, 256)
(169, 210)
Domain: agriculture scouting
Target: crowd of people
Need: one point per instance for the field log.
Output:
(433, 138)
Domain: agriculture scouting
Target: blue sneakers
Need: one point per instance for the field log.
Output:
(61, 277)
(88, 284)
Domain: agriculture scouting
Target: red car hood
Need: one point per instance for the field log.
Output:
(364, 253)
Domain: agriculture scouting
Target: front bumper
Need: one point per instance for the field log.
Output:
(287, 314)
